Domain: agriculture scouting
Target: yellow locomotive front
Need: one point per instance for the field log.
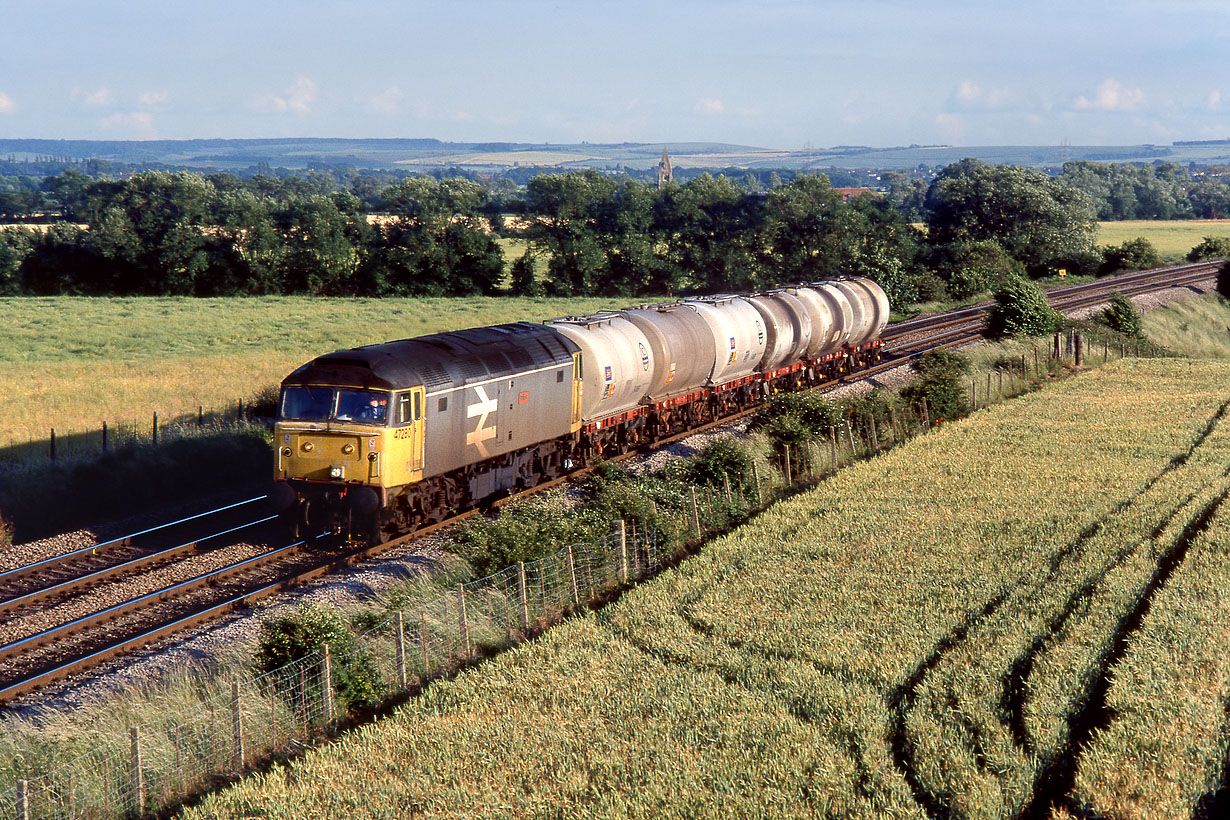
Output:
(341, 449)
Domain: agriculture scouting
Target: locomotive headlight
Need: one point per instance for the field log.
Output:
(373, 456)
(335, 472)
(347, 449)
(287, 452)
(308, 446)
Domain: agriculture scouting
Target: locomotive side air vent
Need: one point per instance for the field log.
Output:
(519, 357)
(434, 376)
(471, 368)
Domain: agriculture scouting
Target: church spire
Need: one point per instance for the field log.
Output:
(665, 173)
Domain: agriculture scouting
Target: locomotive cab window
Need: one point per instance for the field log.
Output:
(340, 403)
(409, 408)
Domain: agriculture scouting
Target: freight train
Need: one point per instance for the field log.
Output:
(382, 439)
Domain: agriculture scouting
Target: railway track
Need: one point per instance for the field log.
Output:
(46, 656)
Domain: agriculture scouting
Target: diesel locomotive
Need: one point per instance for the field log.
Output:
(382, 439)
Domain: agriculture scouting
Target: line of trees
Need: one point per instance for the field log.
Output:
(182, 233)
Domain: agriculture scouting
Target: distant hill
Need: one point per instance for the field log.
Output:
(424, 154)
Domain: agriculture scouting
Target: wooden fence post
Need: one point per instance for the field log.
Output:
(154, 430)
(850, 435)
(236, 724)
(423, 643)
(136, 773)
(695, 510)
(23, 800)
(326, 684)
(462, 621)
(623, 551)
(973, 394)
(53, 444)
(726, 487)
(572, 578)
(789, 481)
(523, 599)
(402, 680)
(875, 438)
(104, 436)
(833, 447)
(926, 414)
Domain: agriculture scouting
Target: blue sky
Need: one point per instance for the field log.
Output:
(770, 73)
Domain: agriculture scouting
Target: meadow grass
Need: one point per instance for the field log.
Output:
(72, 363)
(1172, 238)
(918, 635)
(1197, 327)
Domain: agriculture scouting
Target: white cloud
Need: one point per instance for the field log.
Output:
(7, 106)
(1214, 101)
(98, 98)
(386, 102)
(709, 106)
(297, 99)
(1112, 96)
(970, 94)
(153, 99)
(137, 125)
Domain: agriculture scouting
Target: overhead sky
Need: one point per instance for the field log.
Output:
(769, 73)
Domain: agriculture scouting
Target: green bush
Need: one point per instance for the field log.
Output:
(1134, 254)
(804, 414)
(1211, 247)
(286, 639)
(974, 267)
(724, 457)
(1021, 309)
(526, 530)
(931, 288)
(941, 382)
(1121, 315)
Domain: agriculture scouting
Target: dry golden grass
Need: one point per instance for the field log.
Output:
(73, 363)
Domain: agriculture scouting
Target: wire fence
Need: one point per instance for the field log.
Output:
(66, 443)
(253, 717)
